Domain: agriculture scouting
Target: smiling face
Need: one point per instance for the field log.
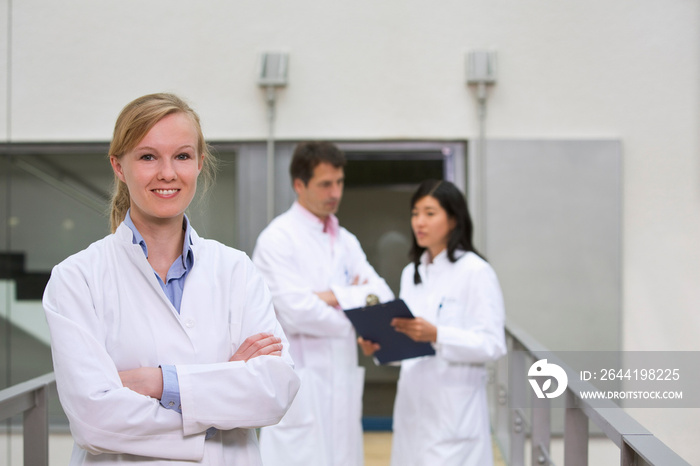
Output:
(321, 195)
(161, 171)
(431, 225)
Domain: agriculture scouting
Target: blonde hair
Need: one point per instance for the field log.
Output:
(133, 123)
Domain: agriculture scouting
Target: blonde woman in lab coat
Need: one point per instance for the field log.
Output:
(441, 412)
(166, 348)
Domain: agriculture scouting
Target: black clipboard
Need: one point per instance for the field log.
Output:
(374, 323)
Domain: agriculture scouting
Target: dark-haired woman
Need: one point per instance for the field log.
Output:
(441, 414)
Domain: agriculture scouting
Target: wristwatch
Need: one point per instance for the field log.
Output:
(372, 299)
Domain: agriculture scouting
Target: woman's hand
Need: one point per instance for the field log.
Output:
(260, 344)
(417, 329)
(144, 380)
(368, 347)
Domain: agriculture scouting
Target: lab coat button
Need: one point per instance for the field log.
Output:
(189, 323)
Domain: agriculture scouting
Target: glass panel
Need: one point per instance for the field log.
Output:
(58, 206)
(213, 213)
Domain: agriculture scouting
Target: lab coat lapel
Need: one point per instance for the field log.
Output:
(191, 305)
(319, 248)
(339, 267)
(431, 291)
(136, 256)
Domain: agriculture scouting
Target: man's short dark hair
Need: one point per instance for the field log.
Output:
(308, 155)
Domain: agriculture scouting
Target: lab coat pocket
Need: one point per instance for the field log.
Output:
(301, 429)
(461, 412)
(303, 411)
(358, 385)
(450, 312)
(464, 394)
(350, 448)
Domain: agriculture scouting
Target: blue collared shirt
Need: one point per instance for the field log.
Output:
(175, 279)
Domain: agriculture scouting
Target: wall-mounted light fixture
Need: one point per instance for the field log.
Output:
(272, 75)
(273, 69)
(481, 73)
(481, 67)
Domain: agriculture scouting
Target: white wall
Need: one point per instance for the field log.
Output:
(626, 69)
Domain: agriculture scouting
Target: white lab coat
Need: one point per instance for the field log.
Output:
(323, 426)
(107, 313)
(441, 413)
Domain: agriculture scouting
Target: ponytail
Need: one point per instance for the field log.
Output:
(121, 201)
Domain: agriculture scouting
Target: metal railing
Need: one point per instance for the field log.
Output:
(30, 398)
(638, 446)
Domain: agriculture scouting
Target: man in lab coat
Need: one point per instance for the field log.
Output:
(314, 269)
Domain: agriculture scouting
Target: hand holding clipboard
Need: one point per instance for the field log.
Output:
(374, 323)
